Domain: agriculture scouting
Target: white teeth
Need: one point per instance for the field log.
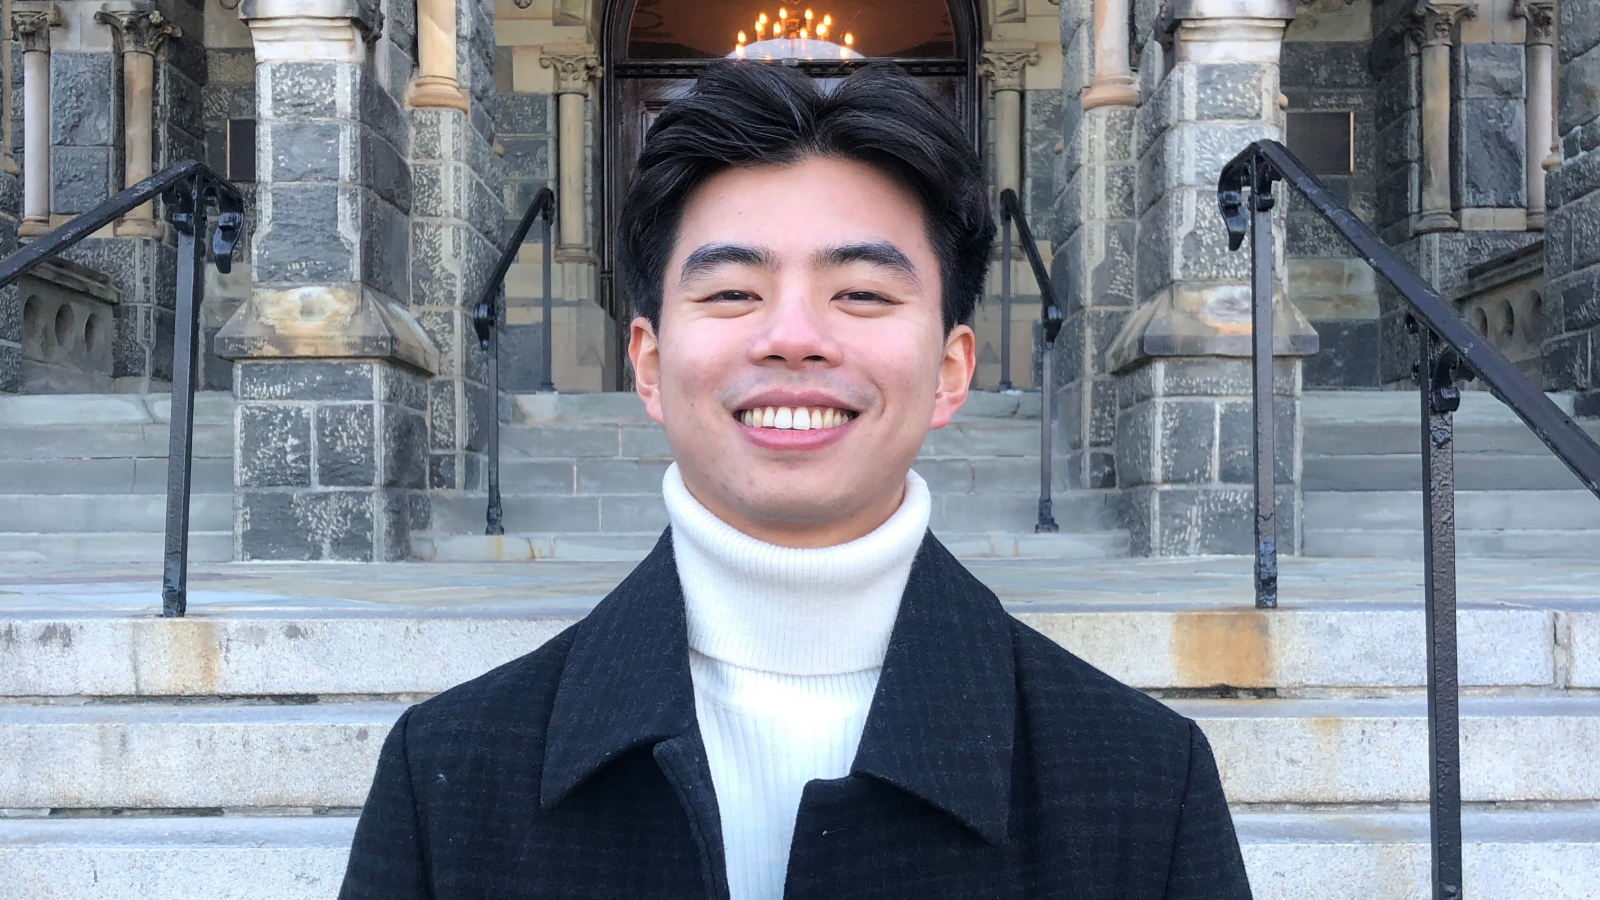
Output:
(797, 418)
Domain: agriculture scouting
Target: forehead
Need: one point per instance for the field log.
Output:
(818, 201)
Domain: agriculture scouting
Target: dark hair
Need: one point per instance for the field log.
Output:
(746, 114)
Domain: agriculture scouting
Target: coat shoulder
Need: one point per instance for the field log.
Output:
(1063, 698)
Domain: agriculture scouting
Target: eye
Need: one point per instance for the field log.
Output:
(864, 297)
(731, 296)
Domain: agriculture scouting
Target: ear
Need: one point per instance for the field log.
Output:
(955, 375)
(645, 354)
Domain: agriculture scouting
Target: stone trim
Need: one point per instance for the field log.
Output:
(1002, 65)
(138, 30)
(574, 68)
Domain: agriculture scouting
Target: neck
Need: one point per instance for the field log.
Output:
(793, 610)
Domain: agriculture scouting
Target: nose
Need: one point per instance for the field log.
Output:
(795, 331)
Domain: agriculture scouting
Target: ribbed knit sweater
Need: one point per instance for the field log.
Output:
(785, 648)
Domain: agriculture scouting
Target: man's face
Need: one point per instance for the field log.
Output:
(810, 287)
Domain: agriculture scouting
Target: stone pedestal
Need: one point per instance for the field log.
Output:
(1183, 439)
(328, 357)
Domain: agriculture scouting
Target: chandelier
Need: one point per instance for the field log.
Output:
(793, 36)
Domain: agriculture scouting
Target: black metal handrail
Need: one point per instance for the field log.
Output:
(1050, 326)
(186, 188)
(1448, 351)
(488, 317)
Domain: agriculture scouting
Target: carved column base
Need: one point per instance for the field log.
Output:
(1436, 221)
(1116, 90)
(436, 92)
(33, 227)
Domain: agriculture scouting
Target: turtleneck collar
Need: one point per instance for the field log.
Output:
(823, 611)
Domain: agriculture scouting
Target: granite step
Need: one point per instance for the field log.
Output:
(116, 441)
(237, 756)
(246, 639)
(98, 513)
(93, 547)
(1509, 855)
(107, 475)
(1473, 472)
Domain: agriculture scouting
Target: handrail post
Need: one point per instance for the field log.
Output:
(1047, 409)
(189, 220)
(1437, 371)
(1005, 298)
(547, 384)
(1262, 426)
(494, 514)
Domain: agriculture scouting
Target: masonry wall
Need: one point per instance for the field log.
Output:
(1572, 231)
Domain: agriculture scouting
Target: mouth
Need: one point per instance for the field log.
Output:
(794, 418)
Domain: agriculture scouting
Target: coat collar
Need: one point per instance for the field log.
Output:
(941, 725)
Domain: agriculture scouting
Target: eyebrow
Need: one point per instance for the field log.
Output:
(876, 253)
(710, 256)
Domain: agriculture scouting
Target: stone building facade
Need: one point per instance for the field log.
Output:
(385, 148)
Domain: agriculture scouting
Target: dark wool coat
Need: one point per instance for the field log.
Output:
(993, 764)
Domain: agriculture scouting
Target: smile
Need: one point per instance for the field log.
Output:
(795, 418)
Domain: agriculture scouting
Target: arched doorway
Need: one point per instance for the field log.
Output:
(653, 50)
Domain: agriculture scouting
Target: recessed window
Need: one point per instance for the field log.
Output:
(1324, 141)
(241, 150)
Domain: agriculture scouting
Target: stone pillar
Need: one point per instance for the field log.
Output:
(330, 366)
(1183, 429)
(1431, 26)
(140, 34)
(436, 87)
(1093, 264)
(1113, 83)
(575, 66)
(1540, 84)
(33, 27)
(1003, 65)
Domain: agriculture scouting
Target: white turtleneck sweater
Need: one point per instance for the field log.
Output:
(785, 647)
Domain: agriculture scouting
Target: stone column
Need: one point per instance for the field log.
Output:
(436, 87)
(1183, 427)
(140, 34)
(1539, 96)
(330, 365)
(1113, 83)
(1431, 26)
(574, 66)
(1003, 65)
(33, 27)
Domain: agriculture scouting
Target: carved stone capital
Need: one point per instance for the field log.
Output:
(1432, 23)
(574, 68)
(1541, 19)
(32, 27)
(1003, 66)
(138, 30)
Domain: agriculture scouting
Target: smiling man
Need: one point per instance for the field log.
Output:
(799, 693)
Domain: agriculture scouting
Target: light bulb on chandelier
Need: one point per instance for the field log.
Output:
(794, 35)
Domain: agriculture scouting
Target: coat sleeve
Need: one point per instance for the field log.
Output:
(388, 860)
(1206, 862)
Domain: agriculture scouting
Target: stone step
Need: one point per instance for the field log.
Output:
(118, 441)
(1508, 855)
(75, 513)
(247, 638)
(105, 475)
(632, 547)
(1367, 437)
(1473, 472)
(29, 410)
(527, 513)
(201, 756)
(1407, 543)
(81, 548)
(1477, 407)
(1485, 511)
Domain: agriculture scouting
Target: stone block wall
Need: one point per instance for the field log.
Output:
(1336, 290)
(526, 133)
(329, 460)
(11, 326)
(229, 93)
(1572, 229)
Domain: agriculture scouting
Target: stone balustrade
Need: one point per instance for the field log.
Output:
(1503, 300)
(68, 328)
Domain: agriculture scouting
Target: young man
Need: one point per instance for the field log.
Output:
(799, 693)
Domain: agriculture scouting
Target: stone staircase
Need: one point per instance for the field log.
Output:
(1363, 480)
(84, 477)
(227, 754)
(580, 477)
